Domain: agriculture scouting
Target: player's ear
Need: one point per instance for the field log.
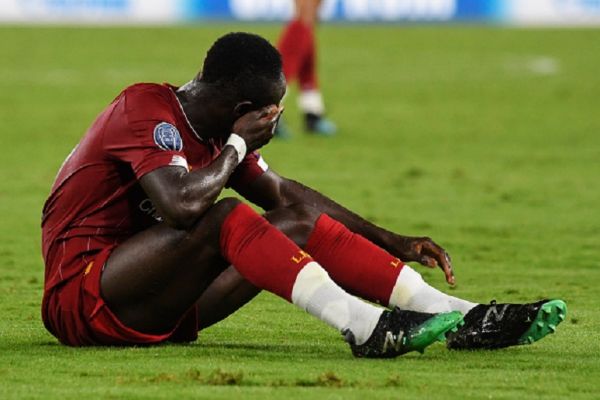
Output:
(242, 108)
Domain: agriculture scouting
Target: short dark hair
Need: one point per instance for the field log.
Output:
(242, 61)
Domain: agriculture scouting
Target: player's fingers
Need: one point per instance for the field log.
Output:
(273, 119)
(269, 112)
(443, 260)
(265, 121)
(278, 114)
(428, 262)
(263, 112)
(446, 265)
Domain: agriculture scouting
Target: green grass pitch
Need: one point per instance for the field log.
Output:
(486, 139)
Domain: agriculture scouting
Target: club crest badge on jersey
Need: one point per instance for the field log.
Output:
(167, 137)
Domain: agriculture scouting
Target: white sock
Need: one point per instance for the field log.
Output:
(316, 293)
(412, 293)
(311, 101)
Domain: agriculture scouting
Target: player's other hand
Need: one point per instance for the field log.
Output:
(424, 251)
(257, 127)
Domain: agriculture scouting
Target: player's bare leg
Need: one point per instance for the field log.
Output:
(307, 11)
(154, 277)
(225, 295)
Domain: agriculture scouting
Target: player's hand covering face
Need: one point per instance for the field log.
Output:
(426, 252)
(256, 127)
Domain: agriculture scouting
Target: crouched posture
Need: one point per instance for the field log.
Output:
(138, 250)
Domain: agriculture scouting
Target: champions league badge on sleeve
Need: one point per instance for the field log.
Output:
(167, 137)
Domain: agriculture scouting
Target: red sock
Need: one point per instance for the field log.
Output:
(297, 48)
(353, 262)
(307, 75)
(260, 252)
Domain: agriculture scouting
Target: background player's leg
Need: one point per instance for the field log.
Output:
(296, 41)
(297, 46)
(310, 99)
(307, 10)
(292, 46)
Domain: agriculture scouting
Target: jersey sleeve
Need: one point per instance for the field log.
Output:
(251, 167)
(145, 135)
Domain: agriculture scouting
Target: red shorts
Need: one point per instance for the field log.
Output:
(77, 315)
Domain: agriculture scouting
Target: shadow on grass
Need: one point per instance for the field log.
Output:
(250, 350)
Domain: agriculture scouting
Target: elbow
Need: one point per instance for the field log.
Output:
(183, 213)
(180, 217)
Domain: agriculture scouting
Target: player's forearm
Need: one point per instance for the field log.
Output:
(295, 192)
(181, 197)
(203, 186)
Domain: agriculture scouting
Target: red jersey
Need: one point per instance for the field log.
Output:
(96, 200)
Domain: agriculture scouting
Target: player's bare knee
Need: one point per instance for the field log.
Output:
(305, 213)
(296, 221)
(225, 206)
(209, 223)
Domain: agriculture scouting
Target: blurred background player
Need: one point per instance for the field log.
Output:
(298, 51)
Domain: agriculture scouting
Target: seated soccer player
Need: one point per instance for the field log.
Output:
(298, 49)
(138, 250)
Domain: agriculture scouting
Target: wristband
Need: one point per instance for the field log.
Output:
(238, 144)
